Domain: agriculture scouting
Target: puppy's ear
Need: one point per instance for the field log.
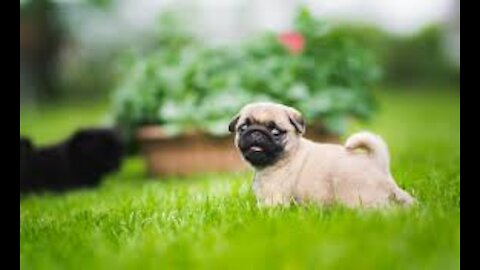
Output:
(233, 123)
(296, 119)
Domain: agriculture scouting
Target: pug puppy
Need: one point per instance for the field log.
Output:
(289, 167)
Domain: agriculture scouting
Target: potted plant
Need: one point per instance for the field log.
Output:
(177, 106)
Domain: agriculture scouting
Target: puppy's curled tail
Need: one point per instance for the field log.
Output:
(373, 144)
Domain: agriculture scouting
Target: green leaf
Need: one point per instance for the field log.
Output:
(183, 84)
(335, 123)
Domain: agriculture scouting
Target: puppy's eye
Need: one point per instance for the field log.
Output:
(275, 132)
(243, 127)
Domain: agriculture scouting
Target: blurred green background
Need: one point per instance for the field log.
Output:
(164, 63)
(393, 67)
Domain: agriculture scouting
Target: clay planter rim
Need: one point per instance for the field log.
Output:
(196, 152)
(188, 153)
(156, 132)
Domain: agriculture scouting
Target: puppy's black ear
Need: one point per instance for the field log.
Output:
(296, 119)
(233, 123)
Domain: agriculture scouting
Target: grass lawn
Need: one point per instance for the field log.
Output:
(212, 222)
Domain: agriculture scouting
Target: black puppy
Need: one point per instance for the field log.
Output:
(80, 161)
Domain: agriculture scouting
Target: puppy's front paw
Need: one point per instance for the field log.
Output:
(272, 201)
(404, 198)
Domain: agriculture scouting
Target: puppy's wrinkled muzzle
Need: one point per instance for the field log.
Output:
(258, 147)
(254, 140)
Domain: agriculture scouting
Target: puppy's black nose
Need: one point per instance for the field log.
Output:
(257, 136)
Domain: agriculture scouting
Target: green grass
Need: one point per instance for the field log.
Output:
(48, 124)
(212, 222)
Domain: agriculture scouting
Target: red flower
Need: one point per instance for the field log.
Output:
(293, 41)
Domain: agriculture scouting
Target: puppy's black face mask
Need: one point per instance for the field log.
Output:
(261, 145)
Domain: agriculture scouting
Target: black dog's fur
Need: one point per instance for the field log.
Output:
(80, 161)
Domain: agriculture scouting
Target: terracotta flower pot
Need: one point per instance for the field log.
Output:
(195, 152)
